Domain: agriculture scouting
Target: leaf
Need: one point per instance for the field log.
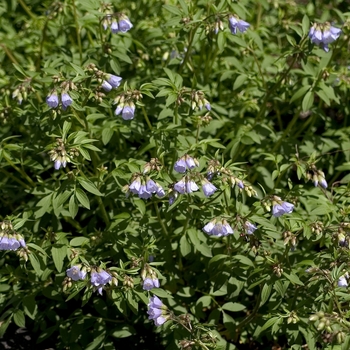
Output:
(265, 293)
(35, 263)
(73, 207)
(96, 342)
(30, 307)
(82, 198)
(79, 241)
(235, 307)
(58, 255)
(269, 323)
(89, 186)
(19, 318)
(308, 101)
(107, 134)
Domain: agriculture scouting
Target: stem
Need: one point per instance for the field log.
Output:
(78, 32)
(26, 9)
(9, 54)
(21, 171)
(103, 212)
(160, 220)
(146, 117)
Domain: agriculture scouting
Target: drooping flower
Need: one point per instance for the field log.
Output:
(124, 24)
(10, 242)
(249, 227)
(235, 23)
(323, 34)
(75, 273)
(342, 282)
(66, 101)
(135, 186)
(149, 283)
(144, 193)
(151, 186)
(100, 279)
(106, 86)
(280, 207)
(191, 186)
(208, 188)
(114, 27)
(218, 228)
(160, 191)
(52, 100)
(184, 163)
(114, 80)
(180, 186)
(128, 111)
(157, 311)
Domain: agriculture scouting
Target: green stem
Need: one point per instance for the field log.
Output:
(103, 212)
(78, 32)
(21, 171)
(146, 117)
(26, 9)
(9, 54)
(15, 179)
(160, 220)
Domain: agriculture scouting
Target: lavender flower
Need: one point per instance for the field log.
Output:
(128, 112)
(157, 311)
(11, 242)
(180, 186)
(218, 229)
(184, 163)
(75, 273)
(59, 163)
(249, 227)
(280, 207)
(149, 283)
(106, 86)
(160, 191)
(114, 80)
(151, 186)
(144, 193)
(208, 188)
(135, 186)
(191, 186)
(323, 34)
(100, 279)
(66, 101)
(342, 282)
(52, 100)
(124, 24)
(239, 24)
(114, 27)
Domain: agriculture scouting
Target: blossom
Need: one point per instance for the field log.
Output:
(184, 163)
(75, 273)
(114, 27)
(249, 227)
(114, 80)
(100, 279)
(66, 100)
(208, 188)
(52, 100)
(191, 186)
(323, 34)
(9, 242)
(280, 207)
(157, 311)
(60, 163)
(239, 24)
(342, 282)
(135, 186)
(106, 86)
(124, 24)
(143, 193)
(151, 186)
(218, 229)
(160, 191)
(149, 283)
(180, 186)
(128, 111)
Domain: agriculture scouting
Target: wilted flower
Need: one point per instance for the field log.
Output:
(75, 273)
(100, 279)
(157, 311)
(323, 34)
(208, 188)
(66, 100)
(279, 207)
(235, 23)
(52, 100)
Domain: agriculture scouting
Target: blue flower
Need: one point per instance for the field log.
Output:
(239, 24)
(191, 186)
(114, 80)
(184, 163)
(52, 100)
(279, 207)
(66, 101)
(249, 227)
(75, 273)
(157, 311)
(208, 188)
(128, 111)
(218, 229)
(11, 242)
(151, 186)
(149, 283)
(59, 163)
(114, 27)
(144, 193)
(124, 24)
(135, 186)
(342, 282)
(323, 34)
(106, 86)
(100, 279)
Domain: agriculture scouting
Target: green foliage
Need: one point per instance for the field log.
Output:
(263, 117)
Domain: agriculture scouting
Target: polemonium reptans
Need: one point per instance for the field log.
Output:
(160, 191)
(150, 283)
(114, 80)
(58, 164)
(191, 186)
(249, 227)
(157, 311)
(144, 193)
(100, 279)
(208, 188)
(180, 186)
(114, 27)
(52, 100)
(324, 34)
(151, 186)
(66, 101)
(218, 229)
(106, 86)
(75, 273)
(239, 24)
(128, 112)
(342, 282)
(135, 186)
(186, 162)
(280, 207)
(124, 24)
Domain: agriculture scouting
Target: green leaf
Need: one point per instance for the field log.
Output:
(308, 101)
(82, 198)
(235, 307)
(73, 207)
(19, 318)
(79, 241)
(89, 186)
(59, 253)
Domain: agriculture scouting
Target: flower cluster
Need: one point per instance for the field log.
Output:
(21, 92)
(10, 239)
(99, 279)
(323, 34)
(198, 100)
(186, 162)
(144, 187)
(53, 100)
(111, 82)
(121, 24)
(235, 23)
(218, 228)
(126, 104)
(249, 227)
(76, 273)
(59, 155)
(157, 311)
(319, 178)
(280, 207)
(149, 278)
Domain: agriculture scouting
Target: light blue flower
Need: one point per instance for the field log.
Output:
(52, 100)
(66, 101)
(75, 273)
(235, 23)
(279, 208)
